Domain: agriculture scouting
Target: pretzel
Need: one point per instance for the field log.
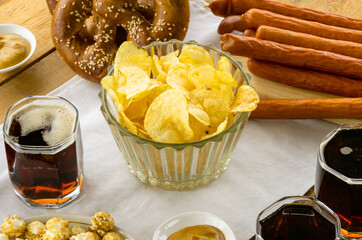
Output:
(51, 5)
(88, 33)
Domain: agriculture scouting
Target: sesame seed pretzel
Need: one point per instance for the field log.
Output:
(170, 21)
(51, 5)
(87, 33)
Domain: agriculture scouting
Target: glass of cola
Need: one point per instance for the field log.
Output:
(44, 150)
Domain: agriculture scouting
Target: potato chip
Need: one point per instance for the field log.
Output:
(204, 76)
(223, 65)
(156, 67)
(195, 56)
(178, 78)
(167, 118)
(231, 119)
(136, 83)
(128, 54)
(124, 120)
(169, 60)
(137, 109)
(176, 98)
(109, 82)
(199, 129)
(246, 99)
(199, 114)
(219, 129)
(227, 94)
(161, 78)
(213, 104)
(141, 130)
(226, 79)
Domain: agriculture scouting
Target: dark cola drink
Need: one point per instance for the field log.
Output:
(297, 222)
(339, 177)
(44, 152)
(297, 218)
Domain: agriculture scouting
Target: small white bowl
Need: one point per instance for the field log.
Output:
(23, 32)
(188, 219)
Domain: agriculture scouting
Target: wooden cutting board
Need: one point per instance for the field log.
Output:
(272, 90)
(35, 16)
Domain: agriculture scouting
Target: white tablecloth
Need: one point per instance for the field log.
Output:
(273, 158)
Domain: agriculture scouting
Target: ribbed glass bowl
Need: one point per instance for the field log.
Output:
(177, 166)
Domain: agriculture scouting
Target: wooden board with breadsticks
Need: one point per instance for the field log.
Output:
(295, 49)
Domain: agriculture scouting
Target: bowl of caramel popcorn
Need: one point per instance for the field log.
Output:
(62, 227)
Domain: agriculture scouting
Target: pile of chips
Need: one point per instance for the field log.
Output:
(177, 98)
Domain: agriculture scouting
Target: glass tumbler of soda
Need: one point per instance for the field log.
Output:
(297, 218)
(44, 150)
(339, 177)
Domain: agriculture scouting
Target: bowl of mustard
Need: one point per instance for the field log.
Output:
(17, 45)
(194, 225)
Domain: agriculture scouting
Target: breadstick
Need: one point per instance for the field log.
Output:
(254, 18)
(231, 7)
(309, 41)
(307, 79)
(308, 108)
(231, 23)
(249, 32)
(291, 55)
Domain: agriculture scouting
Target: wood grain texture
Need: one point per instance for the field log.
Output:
(46, 72)
(35, 16)
(43, 77)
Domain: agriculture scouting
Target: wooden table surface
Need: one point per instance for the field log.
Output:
(46, 71)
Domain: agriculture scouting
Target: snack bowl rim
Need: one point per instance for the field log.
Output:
(243, 116)
(24, 33)
(192, 218)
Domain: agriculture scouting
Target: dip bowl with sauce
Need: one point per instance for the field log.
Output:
(17, 45)
(192, 224)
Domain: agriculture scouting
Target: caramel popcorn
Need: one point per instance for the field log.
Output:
(3, 236)
(86, 236)
(112, 236)
(58, 229)
(56, 222)
(13, 227)
(102, 223)
(77, 229)
(34, 231)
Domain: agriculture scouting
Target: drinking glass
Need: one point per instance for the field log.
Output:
(45, 164)
(339, 177)
(297, 218)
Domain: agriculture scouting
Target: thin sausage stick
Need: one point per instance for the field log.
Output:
(307, 79)
(255, 18)
(232, 7)
(249, 32)
(231, 23)
(291, 55)
(308, 108)
(309, 41)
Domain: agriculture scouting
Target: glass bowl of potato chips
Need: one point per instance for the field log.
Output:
(176, 110)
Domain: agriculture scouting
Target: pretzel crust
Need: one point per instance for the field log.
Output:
(88, 33)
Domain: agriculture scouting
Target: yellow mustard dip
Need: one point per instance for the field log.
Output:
(198, 232)
(13, 49)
